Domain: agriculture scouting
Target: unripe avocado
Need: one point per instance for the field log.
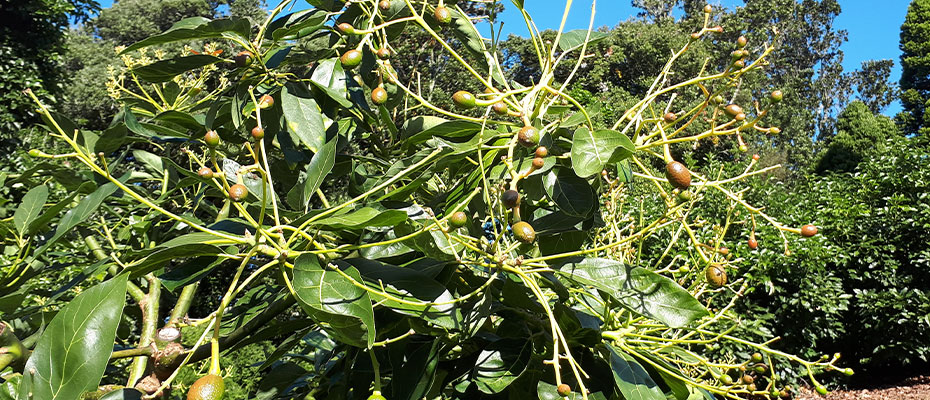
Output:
(258, 133)
(384, 5)
(528, 136)
(379, 95)
(510, 199)
(458, 219)
(205, 172)
(538, 163)
(442, 15)
(678, 175)
(464, 99)
(524, 232)
(238, 192)
(351, 59)
(542, 152)
(383, 53)
(500, 108)
(266, 101)
(715, 275)
(776, 96)
(211, 138)
(564, 390)
(209, 387)
(808, 230)
(733, 109)
(669, 117)
(243, 59)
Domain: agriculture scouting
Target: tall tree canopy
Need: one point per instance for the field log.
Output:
(915, 64)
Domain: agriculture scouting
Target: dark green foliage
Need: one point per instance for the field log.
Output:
(862, 285)
(31, 44)
(859, 134)
(915, 64)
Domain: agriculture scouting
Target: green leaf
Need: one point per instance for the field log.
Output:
(446, 129)
(79, 213)
(327, 291)
(304, 119)
(501, 363)
(297, 25)
(30, 207)
(73, 352)
(591, 151)
(364, 218)
(419, 371)
(572, 194)
(631, 378)
(317, 169)
(54, 210)
(166, 70)
(198, 28)
(277, 381)
(574, 39)
(329, 77)
(638, 289)
(418, 291)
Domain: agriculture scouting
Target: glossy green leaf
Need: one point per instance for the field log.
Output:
(322, 289)
(500, 364)
(640, 290)
(574, 39)
(304, 118)
(198, 28)
(419, 292)
(632, 380)
(74, 350)
(316, 171)
(276, 381)
(592, 150)
(166, 70)
(419, 371)
(329, 77)
(297, 25)
(445, 129)
(42, 220)
(572, 194)
(364, 218)
(30, 208)
(84, 209)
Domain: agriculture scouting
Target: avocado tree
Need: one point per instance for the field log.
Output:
(389, 247)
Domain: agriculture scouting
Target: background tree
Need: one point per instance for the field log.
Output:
(31, 44)
(91, 47)
(915, 68)
(860, 133)
(873, 86)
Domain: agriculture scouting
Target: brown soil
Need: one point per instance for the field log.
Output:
(917, 388)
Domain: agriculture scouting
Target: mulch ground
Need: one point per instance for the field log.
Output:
(917, 388)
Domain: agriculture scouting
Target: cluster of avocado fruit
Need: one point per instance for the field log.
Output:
(510, 198)
(352, 58)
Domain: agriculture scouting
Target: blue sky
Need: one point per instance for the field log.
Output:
(873, 25)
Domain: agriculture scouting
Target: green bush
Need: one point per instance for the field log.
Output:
(862, 287)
